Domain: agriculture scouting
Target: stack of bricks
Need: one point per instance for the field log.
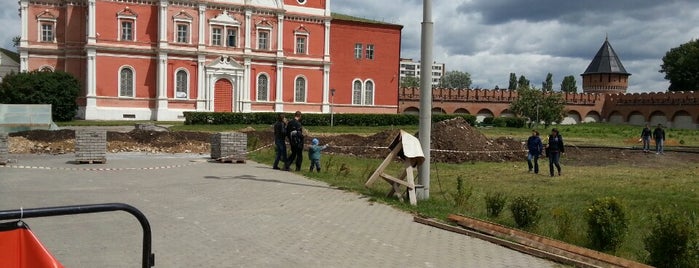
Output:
(229, 146)
(90, 146)
(3, 149)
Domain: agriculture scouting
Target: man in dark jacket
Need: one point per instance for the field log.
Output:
(294, 131)
(659, 136)
(645, 137)
(280, 140)
(554, 150)
(535, 147)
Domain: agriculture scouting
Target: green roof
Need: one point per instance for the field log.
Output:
(13, 55)
(338, 16)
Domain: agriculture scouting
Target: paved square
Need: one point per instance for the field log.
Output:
(207, 214)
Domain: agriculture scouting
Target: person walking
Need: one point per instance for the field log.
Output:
(659, 136)
(535, 147)
(294, 132)
(554, 150)
(645, 137)
(280, 140)
(314, 154)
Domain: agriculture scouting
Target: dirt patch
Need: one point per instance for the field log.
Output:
(454, 141)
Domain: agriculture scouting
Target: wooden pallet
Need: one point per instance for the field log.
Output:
(91, 161)
(234, 160)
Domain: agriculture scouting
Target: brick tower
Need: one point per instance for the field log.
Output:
(605, 74)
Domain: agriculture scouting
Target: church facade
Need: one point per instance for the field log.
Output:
(155, 59)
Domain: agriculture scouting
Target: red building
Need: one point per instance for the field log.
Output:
(154, 59)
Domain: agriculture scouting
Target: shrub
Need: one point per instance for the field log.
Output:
(488, 120)
(525, 211)
(607, 224)
(494, 203)
(564, 223)
(672, 241)
(462, 193)
(59, 89)
(500, 122)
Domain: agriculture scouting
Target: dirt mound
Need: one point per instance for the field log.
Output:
(455, 141)
(46, 135)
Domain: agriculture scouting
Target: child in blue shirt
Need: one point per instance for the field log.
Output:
(314, 154)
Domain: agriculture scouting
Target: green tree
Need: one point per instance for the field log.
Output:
(410, 81)
(456, 79)
(15, 41)
(513, 82)
(538, 106)
(59, 89)
(568, 84)
(548, 84)
(681, 67)
(523, 83)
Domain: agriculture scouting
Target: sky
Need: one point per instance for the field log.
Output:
(490, 39)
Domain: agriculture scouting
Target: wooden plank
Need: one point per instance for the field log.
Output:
(395, 180)
(410, 180)
(377, 173)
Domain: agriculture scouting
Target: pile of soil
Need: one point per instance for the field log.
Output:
(456, 141)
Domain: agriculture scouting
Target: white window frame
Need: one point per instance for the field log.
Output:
(304, 90)
(133, 82)
(304, 36)
(366, 94)
(236, 30)
(46, 68)
(186, 84)
(358, 51)
(121, 18)
(225, 22)
(188, 34)
(357, 92)
(266, 89)
(220, 36)
(370, 51)
(49, 22)
(268, 31)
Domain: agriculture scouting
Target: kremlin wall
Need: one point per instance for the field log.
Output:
(604, 99)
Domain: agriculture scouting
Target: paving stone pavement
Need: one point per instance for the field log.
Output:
(206, 214)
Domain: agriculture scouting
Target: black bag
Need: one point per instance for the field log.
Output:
(296, 138)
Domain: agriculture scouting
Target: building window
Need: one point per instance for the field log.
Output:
(357, 92)
(300, 90)
(262, 87)
(182, 33)
(216, 36)
(46, 69)
(46, 32)
(126, 30)
(126, 82)
(301, 44)
(263, 39)
(370, 51)
(369, 93)
(181, 84)
(127, 24)
(232, 37)
(357, 51)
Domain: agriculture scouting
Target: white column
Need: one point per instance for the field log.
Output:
(201, 83)
(326, 56)
(246, 87)
(202, 26)
(91, 85)
(248, 30)
(91, 22)
(24, 15)
(326, 88)
(327, 8)
(161, 94)
(162, 24)
(280, 35)
(279, 102)
(210, 93)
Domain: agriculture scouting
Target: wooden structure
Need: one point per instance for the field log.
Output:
(405, 148)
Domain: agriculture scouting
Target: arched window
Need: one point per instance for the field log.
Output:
(181, 84)
(300, 90)
(357, 92)
(126, 82)
(369, 93)
(46, 69)
(262, 87)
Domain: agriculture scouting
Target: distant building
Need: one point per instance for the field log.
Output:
(154, 60)
(410, 68)
(9, 62)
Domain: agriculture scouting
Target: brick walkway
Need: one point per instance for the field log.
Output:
(207, 214)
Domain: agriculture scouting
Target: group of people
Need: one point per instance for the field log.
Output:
(552, 150)
(658, 135)
(292, 131)
(555, 147)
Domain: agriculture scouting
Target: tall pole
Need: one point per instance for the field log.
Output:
(332, 102)
(426, 59)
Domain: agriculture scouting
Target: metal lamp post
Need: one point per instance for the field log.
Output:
(332, 102)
